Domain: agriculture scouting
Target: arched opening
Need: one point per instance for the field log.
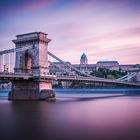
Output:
(28, 62)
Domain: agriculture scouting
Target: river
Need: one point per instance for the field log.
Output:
(77, 114)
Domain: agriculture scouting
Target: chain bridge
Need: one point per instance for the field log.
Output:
(27, 67)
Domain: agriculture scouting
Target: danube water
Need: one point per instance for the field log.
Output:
(77, 114)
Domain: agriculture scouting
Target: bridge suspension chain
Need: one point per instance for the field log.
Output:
(61, 68)
(127, 77)
(70, 66)
(7, 63)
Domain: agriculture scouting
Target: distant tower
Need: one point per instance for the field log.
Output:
(32, 59)
(83, 59)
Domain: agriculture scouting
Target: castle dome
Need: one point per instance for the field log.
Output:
(83, 56)
(83, 59)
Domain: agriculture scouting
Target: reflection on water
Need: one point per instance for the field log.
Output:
(72, 117)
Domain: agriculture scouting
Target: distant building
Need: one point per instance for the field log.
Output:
(87, 68)
(112, 65)
(83, 59)
(126, 67)
(61, 69)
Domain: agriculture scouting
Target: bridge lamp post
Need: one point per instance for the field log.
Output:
(4, 68)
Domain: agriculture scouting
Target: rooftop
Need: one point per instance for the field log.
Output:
(29, 37)
(104, 62)
(31, 34)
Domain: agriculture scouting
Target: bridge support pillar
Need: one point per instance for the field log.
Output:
(31, 90)
(66, 84)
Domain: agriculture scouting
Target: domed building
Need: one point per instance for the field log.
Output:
(83, 59)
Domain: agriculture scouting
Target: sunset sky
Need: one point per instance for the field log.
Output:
(103, 29)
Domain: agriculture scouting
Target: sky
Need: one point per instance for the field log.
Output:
(102, 29)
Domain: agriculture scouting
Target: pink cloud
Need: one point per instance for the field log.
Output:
(27, 6)
(69, 30)
(123, 54)
(99, 30)
(120, 34)
(39, 4)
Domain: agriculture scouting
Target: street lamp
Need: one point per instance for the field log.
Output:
(4, 68)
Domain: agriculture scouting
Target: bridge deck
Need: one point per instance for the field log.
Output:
(27, 76)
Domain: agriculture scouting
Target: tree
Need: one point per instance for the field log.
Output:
(106, 73)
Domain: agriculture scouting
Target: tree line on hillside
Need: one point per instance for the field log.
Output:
(108, 74)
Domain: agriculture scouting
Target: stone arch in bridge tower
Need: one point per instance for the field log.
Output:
(27, 63)
(32, 53)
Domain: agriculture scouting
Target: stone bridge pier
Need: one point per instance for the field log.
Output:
(31, 58)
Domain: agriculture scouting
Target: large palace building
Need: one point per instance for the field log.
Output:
(58, 68)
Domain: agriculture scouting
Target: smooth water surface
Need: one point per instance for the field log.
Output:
(82, 114)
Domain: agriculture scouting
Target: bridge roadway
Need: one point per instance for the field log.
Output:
(23, 76)
(30, 76)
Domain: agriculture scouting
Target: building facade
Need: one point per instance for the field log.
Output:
(61, 69)
(112, 65)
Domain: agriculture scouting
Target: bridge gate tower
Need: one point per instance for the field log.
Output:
(31, 58)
